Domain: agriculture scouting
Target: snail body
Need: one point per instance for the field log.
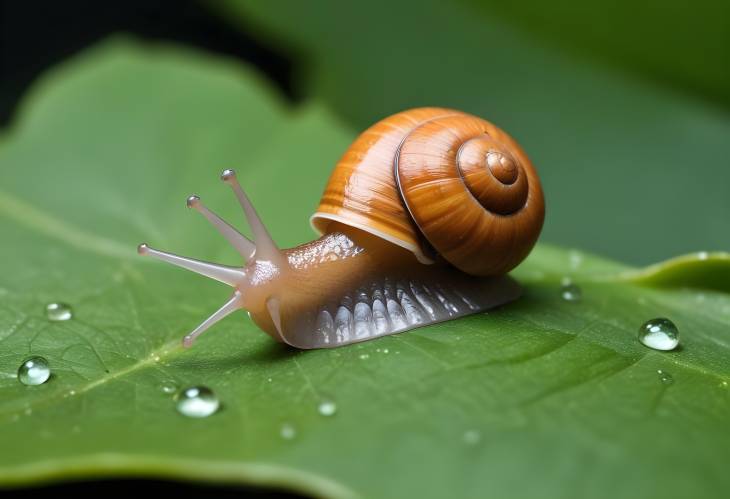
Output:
(421, 220)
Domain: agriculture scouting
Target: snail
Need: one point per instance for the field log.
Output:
(420, 221)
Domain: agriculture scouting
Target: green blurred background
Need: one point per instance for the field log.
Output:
(623, 106)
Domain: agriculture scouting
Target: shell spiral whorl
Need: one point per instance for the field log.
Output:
(469, 189)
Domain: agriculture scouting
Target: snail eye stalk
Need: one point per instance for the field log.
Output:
(266, 248)
(243, 245)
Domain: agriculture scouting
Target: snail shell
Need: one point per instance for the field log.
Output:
(434, 180)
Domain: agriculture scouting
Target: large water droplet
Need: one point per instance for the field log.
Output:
(659, 334)
(665, 377)
(58, 311)
(570, 292)
(197, 402)
(287, 432)
(327, 408)
(34, 371)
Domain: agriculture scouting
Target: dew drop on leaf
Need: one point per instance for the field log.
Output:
(659, 334)
(287, 432)
(472, 437)
(570, 292)
(34, 371)
(197, 402)
(665, 377)
(57, 311)
(169, 387)
(327, 408)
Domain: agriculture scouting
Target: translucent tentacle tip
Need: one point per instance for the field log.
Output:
(188, 341)
(193, 201)
(142, 249)
(228, 175)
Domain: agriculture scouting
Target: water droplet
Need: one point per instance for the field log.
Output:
(575, 259)
(169, 387)
(570, 292)
(197, 402)
(472, 437)
(327, 408)
(659, 334)
(270, 380)
(665, 377)
(34, 371)
(58, 311)
(385, 350)
(287, 432)
(364, 356)
(723, 384)
(28, 411)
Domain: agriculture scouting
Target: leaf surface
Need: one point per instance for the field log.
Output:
(539, 398)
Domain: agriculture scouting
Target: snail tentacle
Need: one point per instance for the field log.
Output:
(222, 273)
(266, 248)
(233, 304)
(241, 243)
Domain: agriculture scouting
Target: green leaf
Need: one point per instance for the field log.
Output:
(700, 270)
(540, 398)
(631, 169)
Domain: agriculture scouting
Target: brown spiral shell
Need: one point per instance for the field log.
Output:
(437, 179)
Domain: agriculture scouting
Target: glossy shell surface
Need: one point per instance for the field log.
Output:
(435, 180)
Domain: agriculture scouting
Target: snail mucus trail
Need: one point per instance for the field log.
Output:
(358, 282)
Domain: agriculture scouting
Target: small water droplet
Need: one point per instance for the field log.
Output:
(28, 411)
(570, 292)
(34, 371)
(58, 311)
(364, 356)
(659, 334)
(287, 432)
(197, 402)
(723, 384)
(270, 380)
(327, 408)
(168, 387)
(472, 437)
(575, 259)
(665, 377)
(385, 350)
